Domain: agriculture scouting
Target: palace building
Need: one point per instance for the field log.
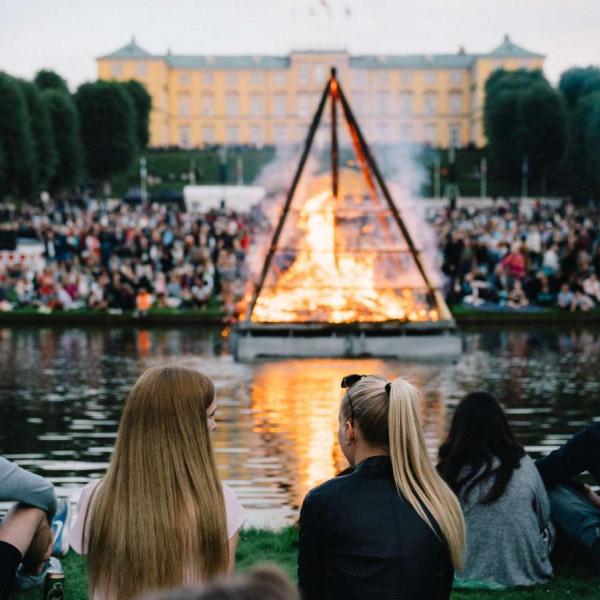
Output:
(434, 99)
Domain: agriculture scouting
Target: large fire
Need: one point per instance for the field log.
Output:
(336, 277)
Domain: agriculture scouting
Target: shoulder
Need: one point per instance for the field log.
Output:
(81, 524)
(323, 495)
(234, 511)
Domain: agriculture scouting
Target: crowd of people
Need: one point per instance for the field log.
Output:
(519, 255)
(160, 524)
(123, 258)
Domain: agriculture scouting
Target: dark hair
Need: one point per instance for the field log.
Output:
(266, 582)
(479, 436)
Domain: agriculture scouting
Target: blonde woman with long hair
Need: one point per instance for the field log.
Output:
(160, 517)
(389, 527)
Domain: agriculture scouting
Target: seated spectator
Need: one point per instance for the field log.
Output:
(26, 532)
(513, 263)
(504, 501)
(388, 527)
(591, 286)
(544, 295)
(576, 507)
(160, 518)
(581, 301)
(517, 297)
(260, 583)
(565, 297)
(143, 302)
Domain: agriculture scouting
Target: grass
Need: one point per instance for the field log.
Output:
(258, 546)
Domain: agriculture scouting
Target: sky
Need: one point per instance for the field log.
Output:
(67, 35)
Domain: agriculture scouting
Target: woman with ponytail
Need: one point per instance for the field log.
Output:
(389, 527)
(159, 518)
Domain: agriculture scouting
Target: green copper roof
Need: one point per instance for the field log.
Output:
(180, 61)
(131, 50)
(509, 50)
(412, 61)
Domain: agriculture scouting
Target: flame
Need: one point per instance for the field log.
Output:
(327, 282)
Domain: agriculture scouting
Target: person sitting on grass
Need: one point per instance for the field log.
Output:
(160, 518)
(517, 297)
(28, 533)
(506, 508)
(260, 583)
(575, 506)
(564, 300)
(389, 527)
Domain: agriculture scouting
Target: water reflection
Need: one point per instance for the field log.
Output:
(62, 392)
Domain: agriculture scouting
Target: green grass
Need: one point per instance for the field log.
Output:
(281, 548)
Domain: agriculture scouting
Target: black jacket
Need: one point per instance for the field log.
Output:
(581, 453)
(359, 538)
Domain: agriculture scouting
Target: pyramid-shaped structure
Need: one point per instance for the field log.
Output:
(341, 252)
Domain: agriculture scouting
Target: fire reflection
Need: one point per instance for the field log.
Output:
(295, 407)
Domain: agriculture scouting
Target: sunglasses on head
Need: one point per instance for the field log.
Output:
(348, 381)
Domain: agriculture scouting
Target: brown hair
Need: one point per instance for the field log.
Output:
(158, 516)
(392, 421)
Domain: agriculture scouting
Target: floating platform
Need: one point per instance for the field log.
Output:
(431, 341)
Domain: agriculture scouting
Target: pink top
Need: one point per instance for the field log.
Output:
(234, 513)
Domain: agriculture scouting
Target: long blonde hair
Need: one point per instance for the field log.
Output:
(392, 421)
(157, 519)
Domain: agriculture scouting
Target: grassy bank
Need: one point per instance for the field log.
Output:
(258, 546)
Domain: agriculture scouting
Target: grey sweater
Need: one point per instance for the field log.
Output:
(19, 485)
(509, 540)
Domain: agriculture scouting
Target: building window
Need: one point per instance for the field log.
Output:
(184, 136)
(232, 78)
(116, 69)
(232, 104)
(141, 69)
(406, 103)
(256, 78)
(207, 77)
(256, 135)
(279, 105)
(303, 74)
(429, 132)
(279, 78)
(455, 102)
(303, 105)
(383, 78)
(184, 105)
(405, 77)
(359, 78)
(406, 132)
(208, 134)
(233, 134)
(454, 135)
(383, 103)
(456, 76)
(184, 78)
(256, 105)
(430, 103)
(208, 105)
(280, 135)
(430, 77)
(319, 73)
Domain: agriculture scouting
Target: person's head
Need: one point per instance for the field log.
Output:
(480, 444)
(383, 417)
(158, 517)
(261, 583)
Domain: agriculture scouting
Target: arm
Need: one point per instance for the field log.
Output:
(19, 485)
(310, 554)
(233, 542)
(581, 453)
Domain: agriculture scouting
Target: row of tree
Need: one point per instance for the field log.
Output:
(52, 140)
(549, 135)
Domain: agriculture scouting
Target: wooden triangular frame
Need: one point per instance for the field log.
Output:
(369, 167)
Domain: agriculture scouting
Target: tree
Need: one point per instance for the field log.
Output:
(524, 117)
(578, 82)
(49, 80)
(45, 157)
(15, 138)
(107, 116)
(142, 102)
(65, 129)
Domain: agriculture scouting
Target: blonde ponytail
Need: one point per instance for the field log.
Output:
(414, 474)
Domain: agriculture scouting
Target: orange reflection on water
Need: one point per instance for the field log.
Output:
(297, 401)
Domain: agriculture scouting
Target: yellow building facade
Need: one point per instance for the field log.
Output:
(197, 100)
